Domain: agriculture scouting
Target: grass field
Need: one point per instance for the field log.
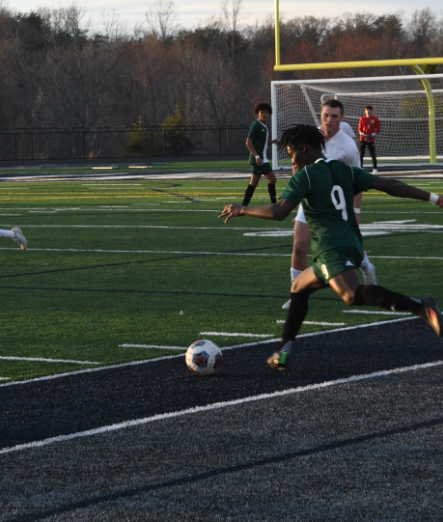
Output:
(135, 167)
(148, 263)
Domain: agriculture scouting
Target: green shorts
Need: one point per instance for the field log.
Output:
(333, 262)
(264, 169)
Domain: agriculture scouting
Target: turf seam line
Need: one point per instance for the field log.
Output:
(225, 348)
(166, 292)
(141, 261)
(219, 405)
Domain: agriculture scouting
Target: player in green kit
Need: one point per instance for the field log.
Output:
(326, 189)
(257, 143)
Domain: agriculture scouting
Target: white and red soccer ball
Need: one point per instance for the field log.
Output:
(203, 357)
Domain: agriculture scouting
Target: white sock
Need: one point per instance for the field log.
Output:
(365, 263)
(7, 233)
(294, 274)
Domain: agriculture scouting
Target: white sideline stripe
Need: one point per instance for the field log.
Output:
(10, 358)
(148, 226)
(10, 215)
(166, 357)
(190, 252)
(408, 257)
(163, 252)
(374, 312)
(227, 334)
(218, 406)
(156, 346)
(282, 321)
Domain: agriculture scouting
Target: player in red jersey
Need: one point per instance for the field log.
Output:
(368, 128)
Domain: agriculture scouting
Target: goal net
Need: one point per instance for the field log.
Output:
(410, 110)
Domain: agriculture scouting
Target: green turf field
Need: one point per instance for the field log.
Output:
(108, 165)
(148, 262)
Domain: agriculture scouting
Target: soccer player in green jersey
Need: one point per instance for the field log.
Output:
(326, 189)
(257, 143)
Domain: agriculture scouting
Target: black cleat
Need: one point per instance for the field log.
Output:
(431, 314)
(278, 360)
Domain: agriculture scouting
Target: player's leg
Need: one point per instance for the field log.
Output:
(347, 286)
(303, 286)
(255, 178)
(271, 186)
(362, 152)
(371, 147)
(368, 270)
(302, 239)
(17, 235)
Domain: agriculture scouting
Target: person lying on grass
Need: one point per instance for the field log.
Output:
(326, 189)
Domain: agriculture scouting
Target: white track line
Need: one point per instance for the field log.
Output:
(217, 406)
(164, 358)
(371, 312)
(227, 334)
(10, 358)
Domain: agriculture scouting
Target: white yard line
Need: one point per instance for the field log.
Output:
(218, 406)
(373, 312)
(164, 358)
(193, 252)
(282, 321)
(163, 252)
(156, 346)
(38, 359)
(161, 227)
(228, 334)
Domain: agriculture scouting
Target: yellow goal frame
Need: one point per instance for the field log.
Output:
(413, 63)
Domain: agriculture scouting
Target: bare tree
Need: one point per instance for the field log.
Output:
(230, 19)
(161, 21)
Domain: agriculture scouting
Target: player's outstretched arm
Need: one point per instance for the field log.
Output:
(395, 187)
(276, 212)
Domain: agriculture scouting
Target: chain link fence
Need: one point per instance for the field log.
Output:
(119, 142)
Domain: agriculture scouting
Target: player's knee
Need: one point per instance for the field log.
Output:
(300, 247)
(348, 298)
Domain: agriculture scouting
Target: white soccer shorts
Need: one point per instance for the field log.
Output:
(300, 215)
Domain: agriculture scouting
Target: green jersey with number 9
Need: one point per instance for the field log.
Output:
(326, 191)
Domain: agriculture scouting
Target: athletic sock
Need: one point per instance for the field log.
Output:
(7, 233)
(375, 295)
(294, 274)
(365, 262)
(248, 195)
(296, 315)
(272, 192)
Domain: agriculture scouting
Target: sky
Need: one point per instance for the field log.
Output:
(192, 13)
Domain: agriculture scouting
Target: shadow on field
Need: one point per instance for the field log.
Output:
(226, 470)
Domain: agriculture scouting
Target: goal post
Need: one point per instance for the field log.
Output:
(410, 109)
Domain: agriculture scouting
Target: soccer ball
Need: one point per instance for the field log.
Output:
(203, 357)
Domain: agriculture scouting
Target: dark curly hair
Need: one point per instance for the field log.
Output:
(302, 135)
(262, 107)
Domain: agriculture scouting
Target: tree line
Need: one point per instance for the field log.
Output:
(56, 72)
